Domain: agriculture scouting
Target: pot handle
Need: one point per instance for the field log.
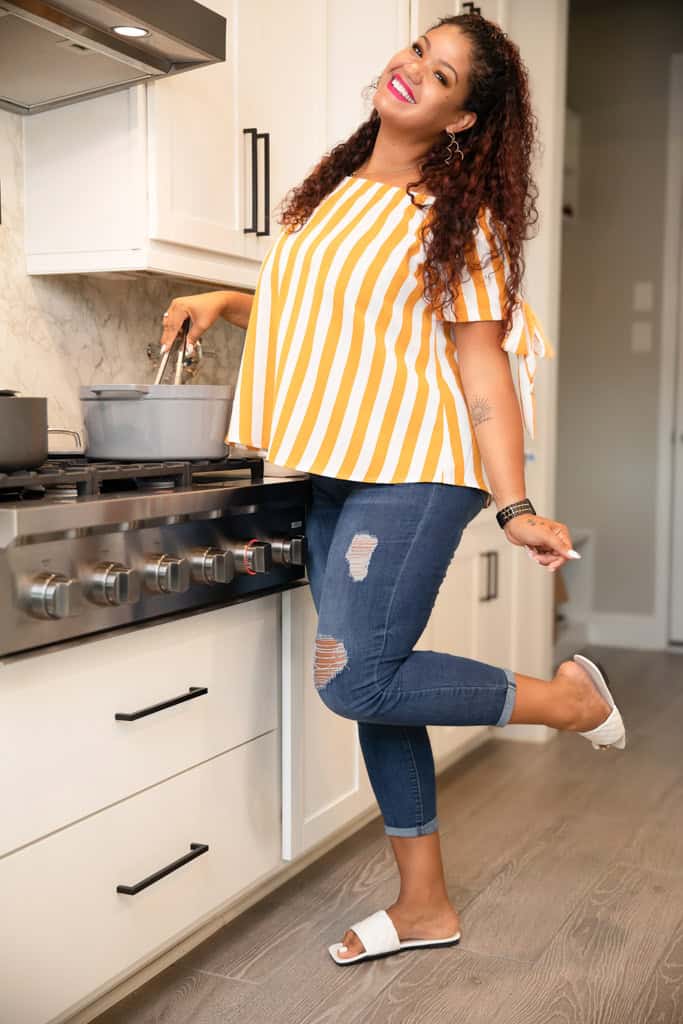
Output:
(79, 448)
(132, 393)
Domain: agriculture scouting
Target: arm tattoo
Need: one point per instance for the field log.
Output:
(480, 410)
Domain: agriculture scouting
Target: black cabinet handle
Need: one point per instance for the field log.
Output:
(254, 180)
(265, 136)
(132, 716)
(485, 554)
(493, 564)
(491, 575)
(196, 850)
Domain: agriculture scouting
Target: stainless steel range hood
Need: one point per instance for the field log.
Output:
(67, 50)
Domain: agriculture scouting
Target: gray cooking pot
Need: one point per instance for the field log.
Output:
(130, 423)
(23, 432)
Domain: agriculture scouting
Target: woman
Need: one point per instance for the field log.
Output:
(376, 359)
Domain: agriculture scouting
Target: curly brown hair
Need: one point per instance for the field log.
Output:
(495, 171)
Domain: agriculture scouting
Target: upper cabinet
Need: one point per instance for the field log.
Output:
(425, 13)
(185, 176)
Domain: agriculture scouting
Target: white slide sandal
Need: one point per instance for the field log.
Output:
(611, 732)
(380, 938)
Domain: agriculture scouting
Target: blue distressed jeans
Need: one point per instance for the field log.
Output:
(377, 555)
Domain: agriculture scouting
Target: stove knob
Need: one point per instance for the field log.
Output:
(251, 556)
(53, 596)
(167, 574)
(289, 550)
(114, 584)
(211, 565)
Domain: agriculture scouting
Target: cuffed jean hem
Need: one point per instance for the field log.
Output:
(509, 699)
(418, 830)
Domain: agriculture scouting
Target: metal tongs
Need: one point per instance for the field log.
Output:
(181, 341)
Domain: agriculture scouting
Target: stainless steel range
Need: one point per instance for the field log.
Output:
(86, 547)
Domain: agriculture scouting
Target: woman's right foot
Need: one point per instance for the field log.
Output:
(439, 922)
(582, 706)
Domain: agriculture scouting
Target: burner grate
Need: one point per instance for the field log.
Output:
(66, 478)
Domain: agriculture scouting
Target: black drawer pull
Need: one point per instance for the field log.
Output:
(132, 716)
(254, 180)
(196, 850)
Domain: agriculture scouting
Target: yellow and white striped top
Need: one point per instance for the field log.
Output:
(346, 371)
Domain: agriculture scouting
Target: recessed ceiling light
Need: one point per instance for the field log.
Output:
(131, 31)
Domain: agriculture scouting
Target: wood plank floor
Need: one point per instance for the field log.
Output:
(566, 865)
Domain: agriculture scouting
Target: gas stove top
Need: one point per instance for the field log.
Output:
(86, 547)
(63, 478)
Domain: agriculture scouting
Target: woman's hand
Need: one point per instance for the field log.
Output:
(203, 311)
(546, 541)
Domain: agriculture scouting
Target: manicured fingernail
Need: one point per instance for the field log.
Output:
(573, 554)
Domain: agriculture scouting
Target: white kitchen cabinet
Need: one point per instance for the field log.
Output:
(493, 637)
(454, 628)
(195, 173)
(159, 177)
(424, 13)
(325, 784)
(57, 712)
(281, 68)
(62, 916)
(324, 777)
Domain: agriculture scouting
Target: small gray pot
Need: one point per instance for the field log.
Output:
(130, 423)
(23, 432)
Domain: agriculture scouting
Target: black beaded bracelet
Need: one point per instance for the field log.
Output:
(517, 508)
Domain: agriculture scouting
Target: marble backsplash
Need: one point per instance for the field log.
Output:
(59, 332)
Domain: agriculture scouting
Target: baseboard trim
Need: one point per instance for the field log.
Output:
(525, 733)
(638, 631)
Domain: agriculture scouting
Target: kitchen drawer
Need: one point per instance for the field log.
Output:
(62, 753)
(66, 933)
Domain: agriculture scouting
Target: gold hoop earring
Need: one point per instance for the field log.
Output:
(453, 142)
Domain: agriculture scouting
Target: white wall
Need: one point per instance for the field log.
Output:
(539, 27)
(617, 81)
(57, 333)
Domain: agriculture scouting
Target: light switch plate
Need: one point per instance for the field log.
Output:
(641, 336)
(643, 296)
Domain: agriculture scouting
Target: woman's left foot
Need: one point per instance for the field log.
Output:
(437, 923)
(585, 708)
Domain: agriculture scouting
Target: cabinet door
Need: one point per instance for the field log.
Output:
(194, 150)
(60, 905)
(493, 642)
(231, 654)
(361, 38)
(281, 66)
(323, 774)
(424, 13)
(453, 630)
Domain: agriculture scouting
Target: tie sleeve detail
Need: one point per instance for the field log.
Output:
(481, 296)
